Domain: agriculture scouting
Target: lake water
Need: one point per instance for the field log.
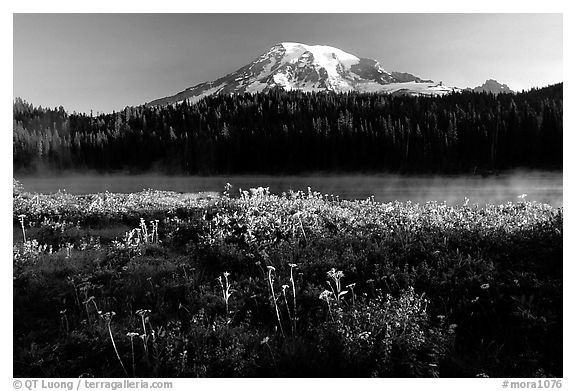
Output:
(537, 185)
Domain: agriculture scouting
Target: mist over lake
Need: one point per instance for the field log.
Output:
(542, 186)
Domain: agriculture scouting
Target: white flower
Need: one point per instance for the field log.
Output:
(326, 295)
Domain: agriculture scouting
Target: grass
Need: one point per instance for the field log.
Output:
(321, 287)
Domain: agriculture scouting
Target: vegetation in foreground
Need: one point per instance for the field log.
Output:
(164, 284)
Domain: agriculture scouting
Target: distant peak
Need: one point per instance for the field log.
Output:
(493, 86)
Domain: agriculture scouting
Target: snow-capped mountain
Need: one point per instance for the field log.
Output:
(493, 86)
(296, 66)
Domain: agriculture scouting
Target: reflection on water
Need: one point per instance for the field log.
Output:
(537, 185)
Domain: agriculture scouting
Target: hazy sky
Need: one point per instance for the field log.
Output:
(104, 62)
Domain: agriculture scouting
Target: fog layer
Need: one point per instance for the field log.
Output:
(539, 186)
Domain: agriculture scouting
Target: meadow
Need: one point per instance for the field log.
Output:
(301, 284)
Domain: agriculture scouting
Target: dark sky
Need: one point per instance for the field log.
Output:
(104, 62)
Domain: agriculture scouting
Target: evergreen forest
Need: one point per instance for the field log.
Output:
(292, 132)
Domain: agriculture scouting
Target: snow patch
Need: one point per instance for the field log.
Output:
(256, 87)
(281, 80)
(413, 88)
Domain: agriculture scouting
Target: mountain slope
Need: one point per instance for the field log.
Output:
(296, 66)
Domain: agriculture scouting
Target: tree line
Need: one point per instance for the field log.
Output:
(291, 132)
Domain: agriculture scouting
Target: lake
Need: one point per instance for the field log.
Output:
(537, 185)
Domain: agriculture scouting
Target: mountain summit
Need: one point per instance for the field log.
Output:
(313, 68)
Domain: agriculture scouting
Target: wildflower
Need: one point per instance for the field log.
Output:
(21, 217)
(143, 312)
(108, 315)
(265, 340)
(226, 293)
(484, 286)
(336, 275)
(325, 295)
(292, 266)
(270, 281)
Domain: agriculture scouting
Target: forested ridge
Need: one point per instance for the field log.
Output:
(295, 132)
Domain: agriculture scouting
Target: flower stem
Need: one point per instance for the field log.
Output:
(116, 350)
